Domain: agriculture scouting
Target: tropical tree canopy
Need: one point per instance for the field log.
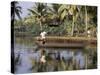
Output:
(69, 20)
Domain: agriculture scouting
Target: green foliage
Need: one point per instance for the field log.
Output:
(74, 19)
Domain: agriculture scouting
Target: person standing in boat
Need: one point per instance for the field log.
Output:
(89, 33)
(42, 34)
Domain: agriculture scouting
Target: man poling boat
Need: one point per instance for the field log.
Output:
(42, 34)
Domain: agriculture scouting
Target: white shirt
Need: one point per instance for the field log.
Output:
(88, 32)
(43, 34)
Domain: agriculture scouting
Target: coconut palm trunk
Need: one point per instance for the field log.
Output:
(41, 28)
(39, 11)
(86, 26)
(72, 32)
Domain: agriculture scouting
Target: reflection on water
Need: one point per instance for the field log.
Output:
(28, 55)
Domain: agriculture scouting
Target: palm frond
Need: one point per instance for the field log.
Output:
(63, 15)
(18, 14)
(34, 12)
(18, 7)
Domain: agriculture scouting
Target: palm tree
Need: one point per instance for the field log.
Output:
(73, 12)
(90, 14)
(86, 19)
(63, 11)
(15, 10)
(39, 11)
(66, 10)
(53, 15)
(55, 19)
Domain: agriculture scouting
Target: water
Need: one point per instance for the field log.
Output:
(28, 57)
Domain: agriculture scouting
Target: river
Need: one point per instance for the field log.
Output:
(27, 57)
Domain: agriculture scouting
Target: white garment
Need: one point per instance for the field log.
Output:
(43, 35)
(88, 32)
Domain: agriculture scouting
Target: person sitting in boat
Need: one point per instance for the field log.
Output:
(42, 34)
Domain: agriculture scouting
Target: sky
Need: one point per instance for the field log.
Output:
(25, 6)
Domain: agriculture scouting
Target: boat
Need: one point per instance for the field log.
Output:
(65, 42)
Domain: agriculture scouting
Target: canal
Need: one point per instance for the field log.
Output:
(28, 55)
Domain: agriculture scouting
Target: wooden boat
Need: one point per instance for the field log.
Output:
(65, 42)
(60, 45)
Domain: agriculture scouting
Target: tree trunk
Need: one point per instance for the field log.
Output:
(72, 32)
(86, 20)
(41, 26)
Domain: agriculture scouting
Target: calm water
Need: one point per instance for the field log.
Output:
(27, 58)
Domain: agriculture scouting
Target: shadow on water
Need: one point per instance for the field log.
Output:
(17, 61)
(30, 58)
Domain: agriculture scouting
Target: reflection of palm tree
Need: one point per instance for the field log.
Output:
(17, 61)
(94, 60)
(86, 52)
(58, 56)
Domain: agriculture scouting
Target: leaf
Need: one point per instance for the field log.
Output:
(34, 12)
(61, 8)
(18, 14)
(63, 15)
